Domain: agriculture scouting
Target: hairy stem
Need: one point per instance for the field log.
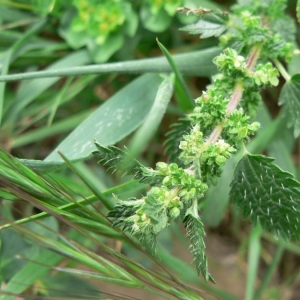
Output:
(237, 93)
(282, 70)
(253, 57)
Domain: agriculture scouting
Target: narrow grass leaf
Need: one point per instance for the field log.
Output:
(112, 121)
(38, 134)
(273, 266)
(30, 90)
(104, 278)
(184, 97)
(11, 54)
(58, 99)
(66, 286)
(4, 63)
(253, 261)
(107, 202)
(298, 11)
(73, 205)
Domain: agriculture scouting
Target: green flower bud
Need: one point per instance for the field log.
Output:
(174, 212)
(221, 160)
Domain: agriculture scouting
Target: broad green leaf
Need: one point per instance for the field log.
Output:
(196, 234)
(269, 195)
(286, 27)
(290, 97)
(154, 22)
(112, 121)
(147, 130)
(205, 29)
(101, 53)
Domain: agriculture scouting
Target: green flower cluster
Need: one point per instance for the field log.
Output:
(247, 28)
(231, 64)
(208, 156)
(170, 6)
(237, 128)
(220, 124)
(98, 19)
(163, 203)
(266, 75)
(185, 181)
(210, 109)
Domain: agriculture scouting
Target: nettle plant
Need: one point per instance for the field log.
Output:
(253, 41)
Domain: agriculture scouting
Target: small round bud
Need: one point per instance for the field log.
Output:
(174, 212)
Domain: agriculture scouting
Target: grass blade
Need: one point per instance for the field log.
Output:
(184, 97)
(253, 260)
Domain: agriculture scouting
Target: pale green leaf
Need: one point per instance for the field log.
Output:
(150, 125)
(269, 195)
(290, 97)
(112, 121)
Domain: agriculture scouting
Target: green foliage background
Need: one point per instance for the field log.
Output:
(64, 100)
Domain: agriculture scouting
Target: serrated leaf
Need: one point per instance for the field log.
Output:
(174, 137)
(268, 195)
(286, 27)
(119, 161)
(122, 211)
(196, 233)
(156, 210)
(205, 29)
(290, 97)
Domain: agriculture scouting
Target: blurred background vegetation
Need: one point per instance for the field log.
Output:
(38, 114)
